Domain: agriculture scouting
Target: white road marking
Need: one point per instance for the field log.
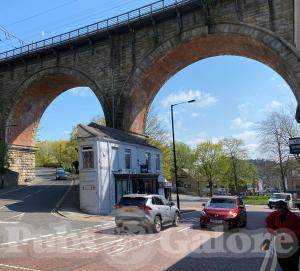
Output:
(184, 229)
(9, 222)
(8, 243)
(15, 216)
(29, 239)
(132, 248)
(29, 195)
(14, 190)
(18, 267)
(2, 207)
(61, 232)
(47, 235)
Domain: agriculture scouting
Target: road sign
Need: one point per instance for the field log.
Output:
(294, 144)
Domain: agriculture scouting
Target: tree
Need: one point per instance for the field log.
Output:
(273, 131)
(159, 138)
(185, 156)
(237, 169)
(208, 158)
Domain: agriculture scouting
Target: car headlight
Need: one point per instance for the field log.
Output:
(232, 214)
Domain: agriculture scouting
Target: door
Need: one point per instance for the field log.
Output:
(162, 209)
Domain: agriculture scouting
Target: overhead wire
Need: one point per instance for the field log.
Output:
(94, 14)
(42, 13)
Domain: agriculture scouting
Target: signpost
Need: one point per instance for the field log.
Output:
(294, 144)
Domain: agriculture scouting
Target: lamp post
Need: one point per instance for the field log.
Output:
(174, 150)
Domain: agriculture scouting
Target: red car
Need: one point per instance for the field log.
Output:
(224, 210)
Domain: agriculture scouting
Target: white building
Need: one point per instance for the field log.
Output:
(113, 163)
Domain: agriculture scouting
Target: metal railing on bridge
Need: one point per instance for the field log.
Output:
(101, 26)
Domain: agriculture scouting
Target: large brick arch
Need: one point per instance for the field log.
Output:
(199, 43)
(35, 94)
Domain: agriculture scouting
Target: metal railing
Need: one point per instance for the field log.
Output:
(101, 26)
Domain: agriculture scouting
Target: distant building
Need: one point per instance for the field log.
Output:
(113, 163)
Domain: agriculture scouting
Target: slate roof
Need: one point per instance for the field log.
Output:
(103, 132)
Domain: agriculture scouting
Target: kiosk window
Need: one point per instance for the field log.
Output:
(87, 157)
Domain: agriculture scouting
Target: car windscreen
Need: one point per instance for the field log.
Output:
(221, 203)
(134, 201)
(278, 196)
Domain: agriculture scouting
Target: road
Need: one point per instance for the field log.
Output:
(32, 238)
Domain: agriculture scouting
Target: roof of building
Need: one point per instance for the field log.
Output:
(103, 132)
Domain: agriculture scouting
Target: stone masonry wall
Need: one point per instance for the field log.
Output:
(113, 65)
(23, 162)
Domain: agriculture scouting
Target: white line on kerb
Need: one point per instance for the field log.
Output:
(18, 267)
(184, 229)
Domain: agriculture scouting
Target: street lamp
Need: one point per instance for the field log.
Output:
(174, 149)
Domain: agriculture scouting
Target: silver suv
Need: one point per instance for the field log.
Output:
(146, 210)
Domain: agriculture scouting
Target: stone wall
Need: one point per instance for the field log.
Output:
(23, 162)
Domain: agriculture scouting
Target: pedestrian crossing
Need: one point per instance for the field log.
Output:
(104, 238)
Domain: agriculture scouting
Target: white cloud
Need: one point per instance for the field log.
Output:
(194, 115)
(244, 107)
(239, 123)
(247, 136)
(274, 105)
(202, 99)
(199, 138)
(80, 91)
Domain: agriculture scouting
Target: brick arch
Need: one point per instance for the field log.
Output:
(34, 95)
(198, 43)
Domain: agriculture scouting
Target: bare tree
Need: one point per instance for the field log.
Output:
(273, 133)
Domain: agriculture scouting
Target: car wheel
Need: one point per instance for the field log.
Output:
(157, 224)
(270, 207)
(244, 221)
(176, 220)
(203, 226)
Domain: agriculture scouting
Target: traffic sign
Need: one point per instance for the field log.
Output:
(294, 144)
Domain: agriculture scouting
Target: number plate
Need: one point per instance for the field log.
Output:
(128, 210)
(216, 221)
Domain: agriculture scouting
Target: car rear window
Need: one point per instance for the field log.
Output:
(134, 201)
(221, 203)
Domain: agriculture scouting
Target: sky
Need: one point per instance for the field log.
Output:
(232, 93)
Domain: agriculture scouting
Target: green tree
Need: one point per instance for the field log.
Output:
(237, 170)
(185, 156)
(208, 157)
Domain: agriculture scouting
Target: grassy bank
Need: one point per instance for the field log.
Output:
(256, 200)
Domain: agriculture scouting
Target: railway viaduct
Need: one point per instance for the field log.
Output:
(126, 59)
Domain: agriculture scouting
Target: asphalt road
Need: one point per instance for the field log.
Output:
(34, 239)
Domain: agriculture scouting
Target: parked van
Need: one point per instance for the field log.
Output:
(291, 199)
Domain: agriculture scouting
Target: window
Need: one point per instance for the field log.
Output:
(127, 158)
(157, 201)
(87, 157)
(157, 162)
(148, 160)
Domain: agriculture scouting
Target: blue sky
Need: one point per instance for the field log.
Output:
(232, 93)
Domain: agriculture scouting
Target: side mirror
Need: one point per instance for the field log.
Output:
(241, 207)
(172, 203)
(203, 204)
